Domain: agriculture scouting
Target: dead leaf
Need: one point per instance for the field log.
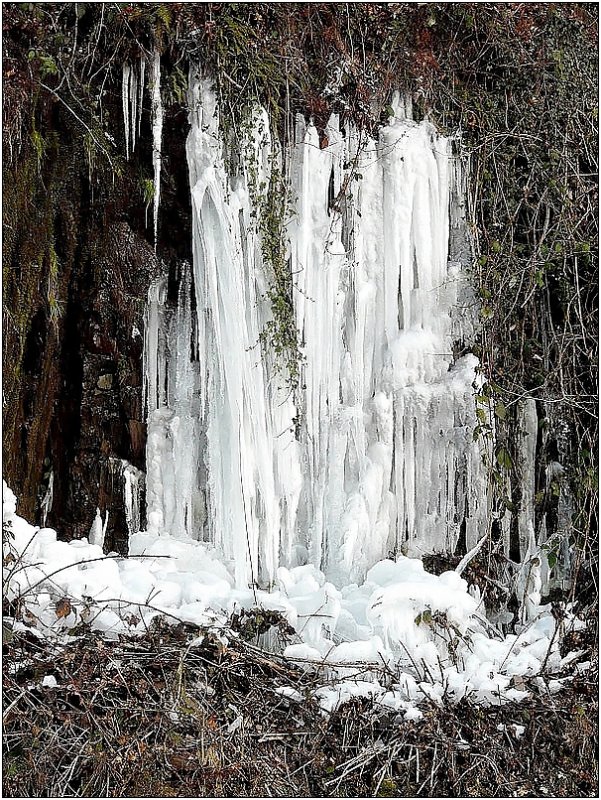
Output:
(519, 682)
(63, 607)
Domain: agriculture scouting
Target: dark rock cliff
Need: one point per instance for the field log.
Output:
(78, 259)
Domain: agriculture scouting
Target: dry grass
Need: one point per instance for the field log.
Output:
(177, 713)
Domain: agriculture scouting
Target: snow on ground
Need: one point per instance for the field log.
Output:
(401, 636)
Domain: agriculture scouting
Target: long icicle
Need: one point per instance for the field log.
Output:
(141, 93)
(157, 133)
(133, 100)
(125, 101)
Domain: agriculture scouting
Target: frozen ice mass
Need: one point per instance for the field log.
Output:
(374, 453)
(315, 500)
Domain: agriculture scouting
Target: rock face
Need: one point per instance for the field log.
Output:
(109, 416)
(78, 261)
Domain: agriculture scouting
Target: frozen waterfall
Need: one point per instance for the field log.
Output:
(374, 452)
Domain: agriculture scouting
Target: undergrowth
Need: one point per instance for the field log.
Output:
(182, 712)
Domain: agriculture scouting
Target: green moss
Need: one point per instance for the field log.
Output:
(280, 333)
(38, 146)
(388, 788)
(271, 203)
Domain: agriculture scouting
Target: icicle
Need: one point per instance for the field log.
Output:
(157, 133)
(133, 481)
(141, 93)
(528, 427)
(125, 85)
(46, 504)
(154, 359)
(133, 99)
(175, 497)
(97, 531)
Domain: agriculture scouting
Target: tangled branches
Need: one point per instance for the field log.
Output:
(179, 712)
(524, 93)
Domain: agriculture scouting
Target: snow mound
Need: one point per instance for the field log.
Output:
(402, 636)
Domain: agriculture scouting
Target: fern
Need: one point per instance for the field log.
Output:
(163, 13)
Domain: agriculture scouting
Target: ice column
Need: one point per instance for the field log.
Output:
(251, 455)
(375, 452)
(157, 135)
(48, 499)
(126, 106)
(133, 482)
(388, 413)
(528, 431)
(174, 481)
(140, 94)
(132, 92)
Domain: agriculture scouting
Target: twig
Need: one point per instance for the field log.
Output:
(80, 120)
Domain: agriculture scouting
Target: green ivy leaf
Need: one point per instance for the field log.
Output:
(504, 458)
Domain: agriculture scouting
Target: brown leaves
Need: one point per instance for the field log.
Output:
(63, 607)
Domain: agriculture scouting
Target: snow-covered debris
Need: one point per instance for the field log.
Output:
(400, 621)
(517, 730)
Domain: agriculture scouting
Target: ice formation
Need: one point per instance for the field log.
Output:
(48, 499)
(132, 94)
(375, 451)
(98, 530)
(174, 468)
(133, 482)
(316, 501)
(157, 136)
(125, 87)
